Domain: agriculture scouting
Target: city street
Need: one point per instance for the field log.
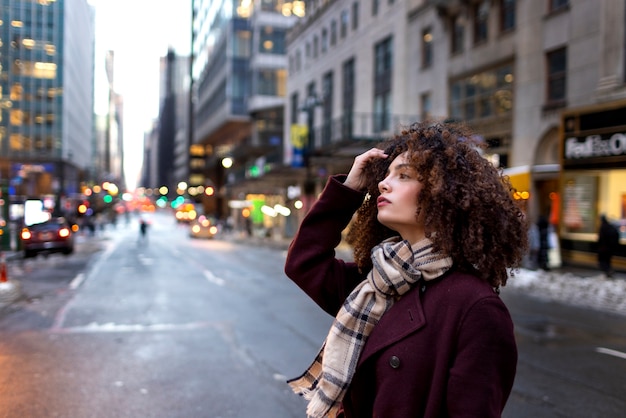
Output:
(177, 327)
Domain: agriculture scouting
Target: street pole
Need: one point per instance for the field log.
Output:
(309, 182)
(58, 210)
(310, 103)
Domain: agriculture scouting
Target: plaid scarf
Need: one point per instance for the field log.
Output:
(396, 269)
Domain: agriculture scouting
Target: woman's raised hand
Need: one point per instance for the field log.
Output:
(355, 178)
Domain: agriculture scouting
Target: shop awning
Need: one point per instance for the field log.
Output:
(519, 177)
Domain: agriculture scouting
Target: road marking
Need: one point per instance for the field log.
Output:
(213, 278)
(280, 377)
(146, 261)
(610, 352)
(112, 327)
(78, 280)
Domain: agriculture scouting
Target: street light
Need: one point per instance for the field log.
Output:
(310, 103)
(62, 189)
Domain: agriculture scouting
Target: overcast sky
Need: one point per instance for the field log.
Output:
(139, 32)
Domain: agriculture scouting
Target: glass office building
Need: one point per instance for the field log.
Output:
(46, 97)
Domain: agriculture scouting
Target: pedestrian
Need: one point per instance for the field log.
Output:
(143, 229)
(608, 240)
(420, 329)
(533, 246)
(543, 228)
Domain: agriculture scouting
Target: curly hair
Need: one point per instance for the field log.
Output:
(467, 204)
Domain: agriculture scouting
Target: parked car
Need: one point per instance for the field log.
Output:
(203, 227)
(52, 236)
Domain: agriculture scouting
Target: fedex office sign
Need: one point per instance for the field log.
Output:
(595, 146)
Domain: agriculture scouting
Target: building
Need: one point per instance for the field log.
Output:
(543, 86)
(238, 92)
(166, 160)
(347, 86)
(110, 151)
(47, 96)
(517, 73)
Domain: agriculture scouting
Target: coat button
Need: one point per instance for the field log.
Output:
(394, 362)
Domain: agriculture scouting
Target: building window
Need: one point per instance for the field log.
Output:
(507, 15)
(344, 23)
(47, 70)
(294, 108)
(333, 33)
(481, 21)
(483, 95)
(298, 60)
(383, 57)
(348, 85)
(327, 106)
(271, 83)
(17, 92)
(324, 40)
(426, 106)
(347, 102)
(241, 44)
(556, 77)
(427, 48)
(557, 5)
(240, 85)
(316, 46)
(458, 34)
(383, 69)
(307, 50)
(311, 92)
(272, 40)
(355, 15)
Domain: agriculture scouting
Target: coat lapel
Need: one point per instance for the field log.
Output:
(403, 318)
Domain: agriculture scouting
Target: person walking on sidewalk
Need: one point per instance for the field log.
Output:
(608, 240)
(543, 229)
(419, 329)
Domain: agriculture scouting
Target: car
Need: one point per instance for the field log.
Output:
(53, 236)
(186, 213)
(203, 227)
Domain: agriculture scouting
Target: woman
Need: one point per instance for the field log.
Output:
(419, 330)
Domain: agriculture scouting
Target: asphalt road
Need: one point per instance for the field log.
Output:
(176, 327)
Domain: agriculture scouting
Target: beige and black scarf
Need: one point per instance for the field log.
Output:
(396, 269)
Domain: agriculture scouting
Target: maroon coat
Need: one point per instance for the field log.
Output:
(445, 349)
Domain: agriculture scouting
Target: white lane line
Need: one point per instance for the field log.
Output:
(78, 280)
(112, 327)
(59, 318)
(213, 278)
(610, 352)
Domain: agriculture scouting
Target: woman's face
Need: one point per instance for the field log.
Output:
(397, 203)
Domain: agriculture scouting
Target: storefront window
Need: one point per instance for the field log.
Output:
(588, 195)
(579, 203)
